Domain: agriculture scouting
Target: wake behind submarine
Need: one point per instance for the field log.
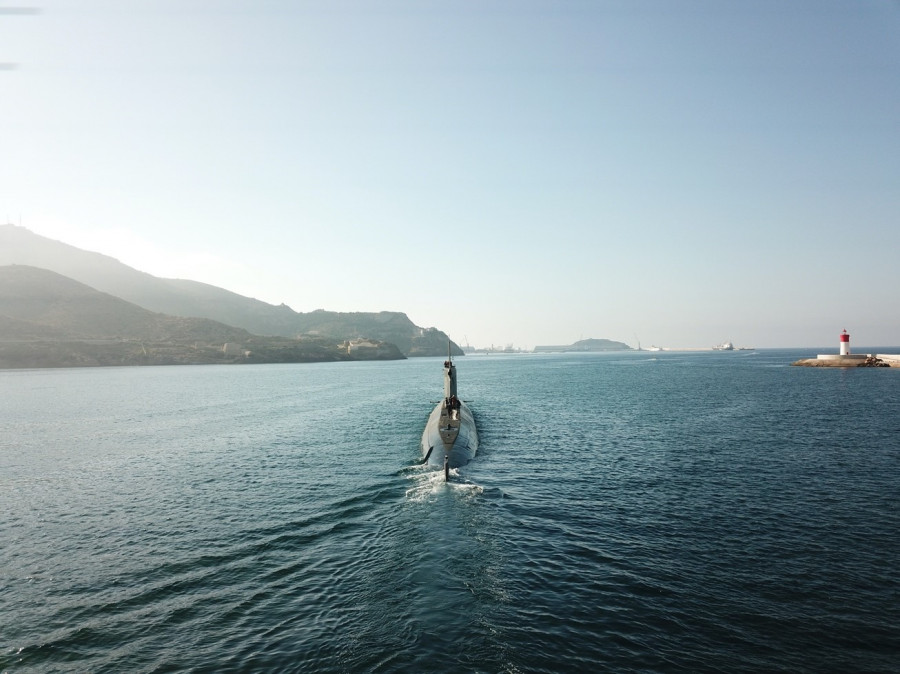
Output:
(450, 439)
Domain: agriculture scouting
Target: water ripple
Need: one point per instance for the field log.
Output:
(685, 514)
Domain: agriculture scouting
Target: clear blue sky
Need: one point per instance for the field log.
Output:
(508, 171)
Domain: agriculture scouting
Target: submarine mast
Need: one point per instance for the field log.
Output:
(449, 376)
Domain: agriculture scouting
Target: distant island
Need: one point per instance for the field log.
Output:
(585, 345)
(117, 315)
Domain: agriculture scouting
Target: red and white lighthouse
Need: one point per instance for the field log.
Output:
(845, 343)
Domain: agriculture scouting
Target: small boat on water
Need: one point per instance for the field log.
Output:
(450, 438)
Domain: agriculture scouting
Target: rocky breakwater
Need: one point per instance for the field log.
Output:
(850, 361)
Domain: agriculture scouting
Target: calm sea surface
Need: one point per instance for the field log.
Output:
(705, 512)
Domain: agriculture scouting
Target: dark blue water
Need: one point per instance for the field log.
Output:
(706, 512)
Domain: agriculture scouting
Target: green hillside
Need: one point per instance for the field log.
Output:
(48, 320)
(192, 299)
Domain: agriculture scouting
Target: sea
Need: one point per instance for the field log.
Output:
(626, 512)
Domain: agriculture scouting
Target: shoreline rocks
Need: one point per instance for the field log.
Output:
(869, 361)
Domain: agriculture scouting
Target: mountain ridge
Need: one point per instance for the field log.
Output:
(50, 320)
(195, 299)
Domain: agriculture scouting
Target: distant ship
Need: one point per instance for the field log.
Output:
(450, 438)
(724, 346)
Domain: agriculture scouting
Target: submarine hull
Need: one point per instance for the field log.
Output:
(450, 433)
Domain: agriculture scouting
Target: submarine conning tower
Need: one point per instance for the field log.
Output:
(449, 378)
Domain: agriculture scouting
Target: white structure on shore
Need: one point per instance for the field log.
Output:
(844, 354)
(845, 343)
(846, 359)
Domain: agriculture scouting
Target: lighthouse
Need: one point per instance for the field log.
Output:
(845, 343)
(846, 359)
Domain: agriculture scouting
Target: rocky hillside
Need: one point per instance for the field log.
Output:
(191, 299)
(48, 320)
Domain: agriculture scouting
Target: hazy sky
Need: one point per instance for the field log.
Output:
(508, 171)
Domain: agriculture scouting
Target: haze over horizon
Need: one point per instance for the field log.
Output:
(530, 172)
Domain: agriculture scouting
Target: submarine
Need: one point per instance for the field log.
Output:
(450, 438)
